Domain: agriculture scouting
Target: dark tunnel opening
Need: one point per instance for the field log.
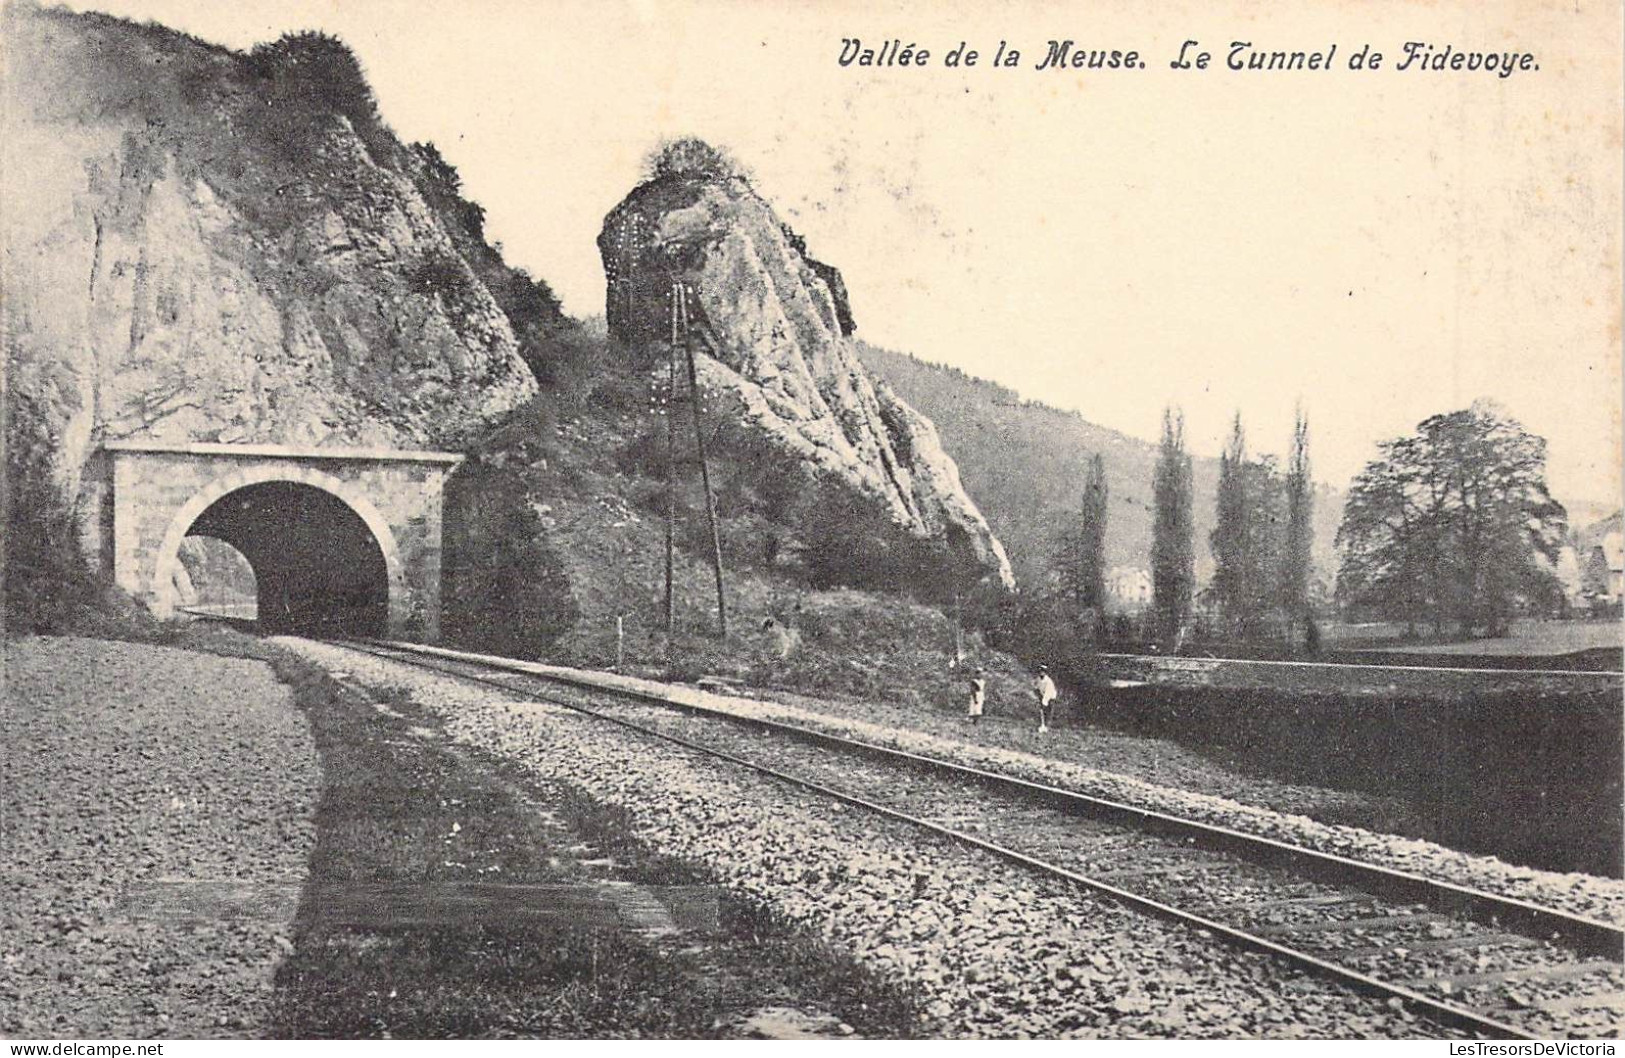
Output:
(317, 566)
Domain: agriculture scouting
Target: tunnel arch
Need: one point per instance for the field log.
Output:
(252, 481)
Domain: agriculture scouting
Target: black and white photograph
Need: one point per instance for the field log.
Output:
(811, 520)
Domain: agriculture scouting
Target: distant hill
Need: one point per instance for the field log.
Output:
(1587, 527)
(1584, 537)
(1024, 463)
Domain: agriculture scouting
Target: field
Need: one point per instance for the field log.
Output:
(1529, 638)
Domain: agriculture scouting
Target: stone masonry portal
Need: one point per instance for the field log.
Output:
(341, 539)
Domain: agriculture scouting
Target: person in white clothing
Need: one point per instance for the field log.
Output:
(978, 694)
(1044, 690)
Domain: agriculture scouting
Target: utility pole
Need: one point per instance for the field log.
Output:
(682, 349)
(705, 468)
(671, 472)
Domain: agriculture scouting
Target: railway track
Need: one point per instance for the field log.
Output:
(1470, 960)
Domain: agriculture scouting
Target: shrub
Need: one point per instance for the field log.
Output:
(47, 583)
(306, 76)
(692, 158)
(440, 273)
(567, 362)
(442, 184)
(505, 591)
(318, 73)
(849, 540)
(529, 302)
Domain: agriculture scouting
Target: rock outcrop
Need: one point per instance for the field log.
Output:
(186, 262)
(778, 359)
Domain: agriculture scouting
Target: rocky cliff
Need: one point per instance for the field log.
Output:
(779, 369)
(211, 246)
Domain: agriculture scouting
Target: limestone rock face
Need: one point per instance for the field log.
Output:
(777, 357)
(170, 274)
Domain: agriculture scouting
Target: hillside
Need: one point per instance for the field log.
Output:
(1024, 464)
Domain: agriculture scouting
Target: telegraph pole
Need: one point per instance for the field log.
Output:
(671, 472)
(705, 469)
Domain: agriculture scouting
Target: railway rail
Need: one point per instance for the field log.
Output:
(1471, 960)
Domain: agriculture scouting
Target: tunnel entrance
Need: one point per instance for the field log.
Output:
(318, 569)
(338, 539)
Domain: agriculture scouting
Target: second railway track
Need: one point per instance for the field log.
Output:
(1471, 960)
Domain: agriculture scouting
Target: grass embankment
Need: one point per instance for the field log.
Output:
(1531, 775)
(400, 806)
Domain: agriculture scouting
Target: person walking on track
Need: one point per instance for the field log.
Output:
(978, 694)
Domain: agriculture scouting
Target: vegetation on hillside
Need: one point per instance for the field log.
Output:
(590, 591)
(46, 582)
(558, 351)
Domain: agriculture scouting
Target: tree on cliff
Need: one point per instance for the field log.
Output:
(690, 156)
(1452, 523)
(1173, 559)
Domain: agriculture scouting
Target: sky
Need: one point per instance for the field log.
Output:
(1379, 245)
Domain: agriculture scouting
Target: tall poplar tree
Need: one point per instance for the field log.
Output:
(1233, 586)
(1173, 557)
(1296, 557)
(1092, 540)
(1080, 562)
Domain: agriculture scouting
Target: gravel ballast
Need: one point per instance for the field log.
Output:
(997, 951)
(135, 771)
(1580, 894)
